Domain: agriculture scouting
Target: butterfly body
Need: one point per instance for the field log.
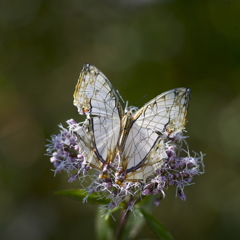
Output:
(130, 144)
(126, 124)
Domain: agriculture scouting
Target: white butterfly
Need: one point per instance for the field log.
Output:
(133, 139)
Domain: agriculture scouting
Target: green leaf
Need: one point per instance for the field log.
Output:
(82, 195)
(132, 227)
(104, 228)
(156, 226)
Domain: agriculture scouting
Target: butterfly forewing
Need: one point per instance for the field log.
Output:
(94, 95)
(166, 112)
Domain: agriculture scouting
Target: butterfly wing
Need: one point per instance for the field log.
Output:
(165, 113)
(144, 149)
(94, 95)
(143, 153)
(87, 145)
(106, 133)
(150, 163)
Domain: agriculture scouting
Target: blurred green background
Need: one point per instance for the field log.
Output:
(145, 47)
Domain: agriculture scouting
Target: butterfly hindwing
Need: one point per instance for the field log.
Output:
(87, 144)
(152, 161)
(106, 133)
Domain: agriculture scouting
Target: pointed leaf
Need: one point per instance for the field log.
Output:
(82, 195)
(156, 226)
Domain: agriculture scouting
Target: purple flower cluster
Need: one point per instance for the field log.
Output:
(176, 171)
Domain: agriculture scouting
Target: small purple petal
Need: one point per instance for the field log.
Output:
(73, 178)
(131, 205)
(157, 201)
(56, 164)
(53, 159)
(182, 195)
(71, 122)
(146, 192)
(111, 205)
(155, 191)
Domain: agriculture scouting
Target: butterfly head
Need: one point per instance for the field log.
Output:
(85, 110)
(131, 109)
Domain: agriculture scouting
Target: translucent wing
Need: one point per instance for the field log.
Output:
(166, 112)
(138, 144)
(152, 161)
(94, 95)
(87, 145)
(143, 153)
(106, 132)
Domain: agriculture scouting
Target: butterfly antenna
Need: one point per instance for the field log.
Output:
(120, 96)
(140, 99)
(126, 107)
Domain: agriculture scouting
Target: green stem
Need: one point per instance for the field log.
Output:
(121, 225)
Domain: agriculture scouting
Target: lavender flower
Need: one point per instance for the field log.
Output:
(176, 170)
